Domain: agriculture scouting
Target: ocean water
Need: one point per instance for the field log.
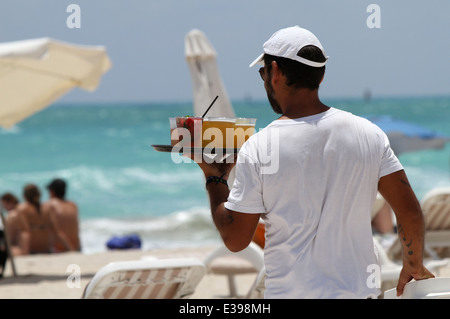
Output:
(123, 186)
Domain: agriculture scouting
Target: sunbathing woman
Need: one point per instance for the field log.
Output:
(35, 235)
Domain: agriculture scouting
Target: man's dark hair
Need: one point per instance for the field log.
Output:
(298, 74)
(58, 186)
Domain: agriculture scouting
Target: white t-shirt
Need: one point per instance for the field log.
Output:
(315, 181)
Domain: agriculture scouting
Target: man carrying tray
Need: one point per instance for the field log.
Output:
(317, 191)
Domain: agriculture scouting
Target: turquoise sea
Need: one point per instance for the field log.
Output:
(123, 186)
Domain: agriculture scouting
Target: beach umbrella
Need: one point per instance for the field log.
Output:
(206, 81)
(35, 73)
(405, 136)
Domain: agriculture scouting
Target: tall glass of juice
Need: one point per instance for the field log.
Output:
(218, 132)
(243, 129)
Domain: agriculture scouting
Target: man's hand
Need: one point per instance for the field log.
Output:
(397, 191)
(213, 168)
(408, 273)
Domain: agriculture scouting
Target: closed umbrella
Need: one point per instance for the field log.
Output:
(206, 81)
(35, 73)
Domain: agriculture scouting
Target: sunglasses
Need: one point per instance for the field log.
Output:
(262, 73)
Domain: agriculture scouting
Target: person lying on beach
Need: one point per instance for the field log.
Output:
(8, 203)
(313, 176)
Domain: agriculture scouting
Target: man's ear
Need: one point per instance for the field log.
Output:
(276, 72)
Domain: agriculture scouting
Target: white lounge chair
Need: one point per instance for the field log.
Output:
(379, 203)
(433, 288)
(436, 210)
(148, 278)
(390, 270)
(257, 289)
(223, 261)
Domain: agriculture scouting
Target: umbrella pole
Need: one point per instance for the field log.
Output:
(8, 247)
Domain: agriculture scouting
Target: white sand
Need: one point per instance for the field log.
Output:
(45, 276)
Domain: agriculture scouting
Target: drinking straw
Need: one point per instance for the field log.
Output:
(210, 106)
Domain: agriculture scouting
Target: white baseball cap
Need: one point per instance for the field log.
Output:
(287, 43)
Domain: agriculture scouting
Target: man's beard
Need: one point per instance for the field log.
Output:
(272, 100)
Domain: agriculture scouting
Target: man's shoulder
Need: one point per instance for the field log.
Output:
(70, 203)
(354, 118)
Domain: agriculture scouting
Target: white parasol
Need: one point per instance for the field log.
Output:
(34, 73)
(206, 81)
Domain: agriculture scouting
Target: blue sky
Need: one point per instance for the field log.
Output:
(408, 55)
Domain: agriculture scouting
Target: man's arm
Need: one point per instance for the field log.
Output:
(236, 229)
(397, 191)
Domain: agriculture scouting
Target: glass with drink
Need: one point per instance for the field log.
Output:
(243, 129)
(185, 131)
(218, 132)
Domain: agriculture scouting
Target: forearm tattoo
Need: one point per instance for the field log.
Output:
(405, 182)
(224, 219)
(230, 219)
(406, 242)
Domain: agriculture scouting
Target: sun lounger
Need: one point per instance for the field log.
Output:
(7, 252)
(379, 202)
(433, 288)
(223, 261)
(257, 289)
(148, 278)
(390, 270)
(436, 209)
